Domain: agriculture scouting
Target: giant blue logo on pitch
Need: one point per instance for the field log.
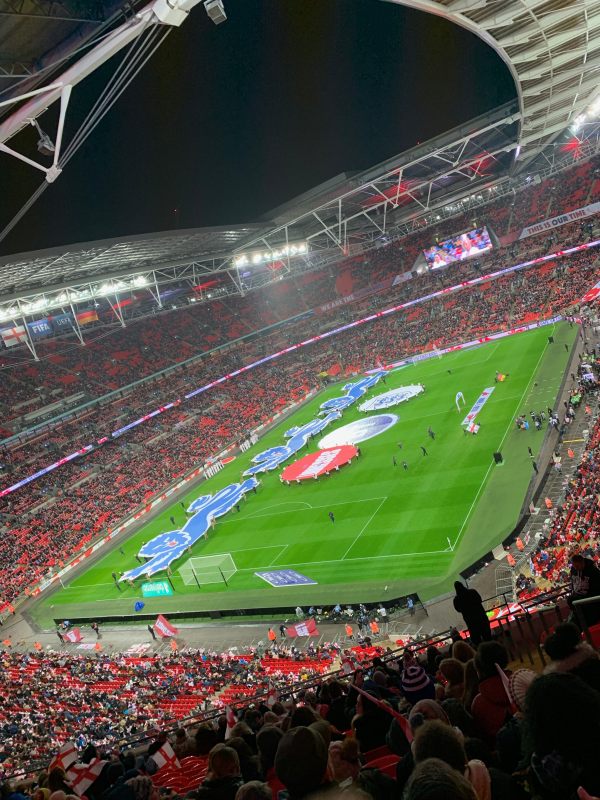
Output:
(392, 398)
(359, 431)
(299, 436)
(168, 547)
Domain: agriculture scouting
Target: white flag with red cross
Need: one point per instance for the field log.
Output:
(81, 776)
(66, 756)
(165, 757)
(231, 721)
(13, 336)
(306, 628)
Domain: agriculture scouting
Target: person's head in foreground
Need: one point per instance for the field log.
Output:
(433, 779)
(562, 735)
(301, 761)
(223, 762)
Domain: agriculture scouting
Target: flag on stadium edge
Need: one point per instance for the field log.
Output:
(73, 635)
(163, 627)
(85, 317)
(66, 756)
(231, 721)
(13, 336)
(272, 697)
(166, 757)
(81, 776)
(306, 628)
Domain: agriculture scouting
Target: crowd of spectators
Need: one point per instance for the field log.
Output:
(106, 698)
(445, 722)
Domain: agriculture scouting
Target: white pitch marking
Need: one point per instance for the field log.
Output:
(283, 549)
(364, 527)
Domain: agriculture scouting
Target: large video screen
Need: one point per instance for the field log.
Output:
(464, 246)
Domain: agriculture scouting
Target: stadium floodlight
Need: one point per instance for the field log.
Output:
(215, 10)
(273, 254)
(45, 144)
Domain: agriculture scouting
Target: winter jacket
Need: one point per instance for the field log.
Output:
(491, 708)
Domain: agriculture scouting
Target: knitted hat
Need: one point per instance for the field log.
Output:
(518, 683)
(301, 761)
(416, 685)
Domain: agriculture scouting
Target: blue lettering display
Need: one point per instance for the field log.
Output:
(168, 547)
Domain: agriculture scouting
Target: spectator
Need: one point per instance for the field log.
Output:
(433, 779)
(491, 707)
(301, 762)
(561, 735)
(468, 603)
(224, 776)
(570, 654)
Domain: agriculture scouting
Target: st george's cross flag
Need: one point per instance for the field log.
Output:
(307, 628)
(66, 756)
(81, 776)
(13, 336)
(166, 757)
(231, 721)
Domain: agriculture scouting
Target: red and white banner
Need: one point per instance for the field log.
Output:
(74, 635)
(320, 463)
(81, 776)
(163, 627)
(13, 336)
(166, 757)
(307, 628)
(592, 295)
(66, 756)
(563, 219)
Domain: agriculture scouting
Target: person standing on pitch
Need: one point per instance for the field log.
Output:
(468, 603)
(151, 631)
(430, 433)
(331, 517)
(424, 451)
(282, 631)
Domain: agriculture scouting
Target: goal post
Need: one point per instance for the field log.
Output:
(208, 569)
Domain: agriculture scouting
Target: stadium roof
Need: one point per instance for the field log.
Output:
(38, 37)
(552, 49)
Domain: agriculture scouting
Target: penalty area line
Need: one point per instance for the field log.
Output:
(364, 527)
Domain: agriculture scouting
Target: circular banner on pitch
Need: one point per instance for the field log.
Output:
(319, 463)
(392, 398)
(359, 431)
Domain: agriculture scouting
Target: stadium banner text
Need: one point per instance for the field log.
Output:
(563, 219)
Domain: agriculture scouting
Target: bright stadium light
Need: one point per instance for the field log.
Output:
(274, 254)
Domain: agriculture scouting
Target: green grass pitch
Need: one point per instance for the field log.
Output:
(391, 526)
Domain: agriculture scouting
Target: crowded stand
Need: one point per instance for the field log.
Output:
(575, 524)
(397, 724)
(65, 509)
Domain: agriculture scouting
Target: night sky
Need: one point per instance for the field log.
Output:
(227, 122)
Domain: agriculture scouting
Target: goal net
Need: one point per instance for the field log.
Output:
(208, 569)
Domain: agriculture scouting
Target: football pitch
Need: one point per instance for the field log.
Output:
(396, 530)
